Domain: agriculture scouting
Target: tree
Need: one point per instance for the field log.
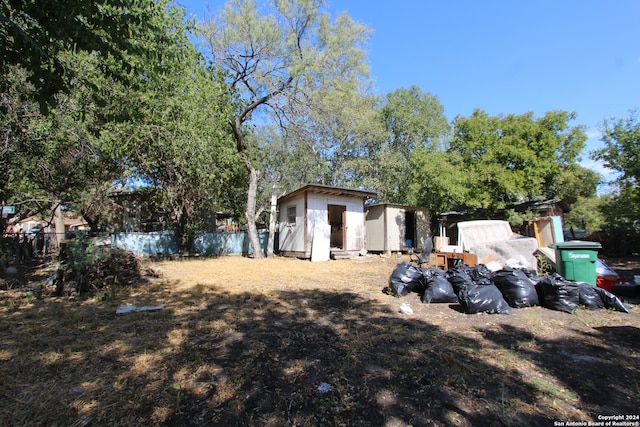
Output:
(436, 180)
(621, 208)
(413, 121)
(571, 184)
(514, 158)
(279, 58)
(163, 126)
(37, 36)
(177, 140)
(48, 158)
(622, 148)
(57, 57)
(585, 214)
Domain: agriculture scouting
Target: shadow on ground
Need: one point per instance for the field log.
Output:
(301, 358)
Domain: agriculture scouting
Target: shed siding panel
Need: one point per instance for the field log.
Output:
(375, 228)
(395, 228)
(317, 211)
(292, 235)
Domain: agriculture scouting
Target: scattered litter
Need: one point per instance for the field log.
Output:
(324, 388)
(406, 309)
(10, 271)
(305, 302)
(129, 308)
(77, 390)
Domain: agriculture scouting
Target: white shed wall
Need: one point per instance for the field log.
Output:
(292, 235)
(317, 211)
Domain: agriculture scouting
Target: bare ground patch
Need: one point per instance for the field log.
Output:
(289, 342)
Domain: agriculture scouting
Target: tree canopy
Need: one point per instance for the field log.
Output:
(161, 126)
(622, 148)
(494, 160)
(37, 35)
(621, 208)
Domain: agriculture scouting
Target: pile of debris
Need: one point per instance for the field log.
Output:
(479, 290)
(113, 268)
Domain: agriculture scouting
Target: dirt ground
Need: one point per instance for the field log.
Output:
(242, 342)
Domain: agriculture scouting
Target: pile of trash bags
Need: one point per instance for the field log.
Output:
(480, 290)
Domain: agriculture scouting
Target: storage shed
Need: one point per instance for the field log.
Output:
(392, 228)
(320, 222)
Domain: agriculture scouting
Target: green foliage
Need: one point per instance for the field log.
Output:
(37, 37)
(438, 180)
(622, 148)
(413, 120)
(571, 184)
(514, 158)
(81, 253)
(287, 58)
(585, 214)
(621, 209)
(518, 219)
(163, 125)
(621, 228)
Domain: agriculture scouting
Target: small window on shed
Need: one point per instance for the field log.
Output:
(291, 214)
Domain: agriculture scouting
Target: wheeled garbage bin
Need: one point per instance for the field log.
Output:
(576, 260)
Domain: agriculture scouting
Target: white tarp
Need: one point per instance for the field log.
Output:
(493, 240)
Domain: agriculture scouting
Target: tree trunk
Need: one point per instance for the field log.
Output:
(252, 230)
(272, 220)
(58, 223)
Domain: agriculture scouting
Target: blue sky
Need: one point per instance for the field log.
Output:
(505, 57)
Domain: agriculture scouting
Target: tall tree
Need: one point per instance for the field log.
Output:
(439, 180)
(275, 53)
(164, 126)
(176, 139)
(622, 148)
(621, 208)
(413, 120)
(49, 50)
(514, 158)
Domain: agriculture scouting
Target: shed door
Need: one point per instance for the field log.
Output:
(337, 219)
(409, 230)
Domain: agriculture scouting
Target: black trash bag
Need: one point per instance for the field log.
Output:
(438, 288)
(406, 278)
(481, 275)
(589, 296)
(557, 293)
(460, 278)
(611, 301)
(516, 287)
(482, 299)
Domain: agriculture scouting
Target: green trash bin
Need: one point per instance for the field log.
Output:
(576, 260)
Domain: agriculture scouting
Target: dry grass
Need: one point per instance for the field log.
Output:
(247, 342)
